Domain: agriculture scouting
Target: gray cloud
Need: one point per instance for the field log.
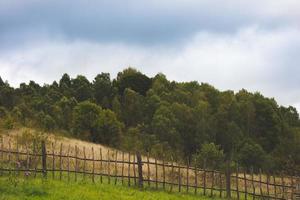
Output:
(252, 58)
(232, 45)
(135, 21)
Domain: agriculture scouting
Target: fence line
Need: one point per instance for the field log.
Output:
(141, 170)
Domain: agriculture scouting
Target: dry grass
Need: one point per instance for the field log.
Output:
(98, 151)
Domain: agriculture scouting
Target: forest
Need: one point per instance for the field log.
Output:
(184, 121)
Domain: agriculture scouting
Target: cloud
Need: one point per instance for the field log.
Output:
(232, 44)
(135, 21)
(254, 58)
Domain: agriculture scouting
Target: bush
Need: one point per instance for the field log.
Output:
(209, 156)
(3, 112)
(252, 155)
(8, 123)
(48, 123)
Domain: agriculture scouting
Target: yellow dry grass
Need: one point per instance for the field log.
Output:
(97, 151)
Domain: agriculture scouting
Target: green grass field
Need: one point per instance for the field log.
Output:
(33, 189)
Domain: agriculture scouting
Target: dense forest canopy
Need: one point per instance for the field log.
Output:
(178, 120)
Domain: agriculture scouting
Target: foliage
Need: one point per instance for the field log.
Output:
(209, 156)
(251, 154)
(109, 129)
(85, 119)
(162, 117)
(8, 123)
(92, 122)
(133, 79)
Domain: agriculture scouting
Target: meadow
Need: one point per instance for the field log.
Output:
(12, 188)
(57, 166)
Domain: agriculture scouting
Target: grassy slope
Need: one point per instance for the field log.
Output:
(54, 190)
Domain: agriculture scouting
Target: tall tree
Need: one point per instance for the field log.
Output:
(133, 79)
(85, 119)
(82, 88)
(103, 89)
(133, 108)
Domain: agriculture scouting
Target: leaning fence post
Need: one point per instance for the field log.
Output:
(140, 168)
(228, 181)
(44, 159)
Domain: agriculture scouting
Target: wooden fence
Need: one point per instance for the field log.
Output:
(142, 171)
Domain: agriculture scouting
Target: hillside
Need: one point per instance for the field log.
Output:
(186, 121)
(78, 161)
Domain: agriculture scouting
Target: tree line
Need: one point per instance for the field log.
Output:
(186, 121)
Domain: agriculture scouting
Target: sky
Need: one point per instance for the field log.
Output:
(229, 44)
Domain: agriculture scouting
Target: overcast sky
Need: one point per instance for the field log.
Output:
(230, 44)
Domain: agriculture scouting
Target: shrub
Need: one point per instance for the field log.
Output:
(210, 156)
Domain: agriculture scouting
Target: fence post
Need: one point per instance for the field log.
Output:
(228, 180)
(245, 184)
(60, 161)
(44, 159)
(140, 169)
(292, 185)
(93, 169)
(116, 169)
(148, 169)
(204, 178)
(2, 149)
(53, 161)
(122, 167)
(237, 182)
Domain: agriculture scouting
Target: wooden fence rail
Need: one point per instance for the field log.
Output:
(143, 171)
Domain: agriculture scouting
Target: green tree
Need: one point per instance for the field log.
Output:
(86, 119)
(251, 155)
(3, 112)
(209, 156)
(164, 126)
(133, 108)
(7, 96)
(103, 89)
(48, 123)
(82, 88)
(160, 85)
(267, 123)
(186, 128)
(132, 140)
(1, 82)
(65, 85)
(133, 79)
(66, 106)
(116, 107)
(109, 129)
